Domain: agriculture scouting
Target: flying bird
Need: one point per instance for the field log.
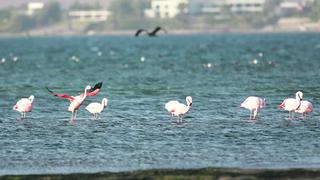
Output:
(254, 104)
(175, 108)
(24, 105)
(76, 101)
(97, 108)
(151, 34)
(292, 104)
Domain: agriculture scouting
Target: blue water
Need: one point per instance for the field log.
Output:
(135, 132)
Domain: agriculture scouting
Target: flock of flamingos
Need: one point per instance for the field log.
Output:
(175, 108)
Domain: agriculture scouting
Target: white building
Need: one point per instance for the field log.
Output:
(91, 15)
(34, 6)
(292, 6)
(246, 6)
(166, 8)
(206, 6)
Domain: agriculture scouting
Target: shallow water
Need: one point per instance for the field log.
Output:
(135, 132)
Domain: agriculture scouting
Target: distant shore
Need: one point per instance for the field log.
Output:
(168, 174)
(43, 33)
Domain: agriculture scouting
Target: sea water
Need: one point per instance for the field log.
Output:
(139, 76)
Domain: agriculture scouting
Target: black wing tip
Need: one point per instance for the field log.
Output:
(98, 85)
(49, 90)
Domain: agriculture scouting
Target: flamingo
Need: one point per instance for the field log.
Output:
(178, 109)
(76, 101)
(24, 105)
(305, 108)
(291, 104)
(97, 108)
(254, 104)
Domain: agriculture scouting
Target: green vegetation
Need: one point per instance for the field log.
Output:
(21, 23)
(315, 11)
(50, 14)
(79, 6)
(126, 14)
(15, 21)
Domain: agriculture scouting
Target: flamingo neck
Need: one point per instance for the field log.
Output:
(189, 104)
(84, 95)
(103, 103)
(299, 101)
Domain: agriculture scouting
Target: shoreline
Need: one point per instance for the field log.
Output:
(168, 174)
(131, 33)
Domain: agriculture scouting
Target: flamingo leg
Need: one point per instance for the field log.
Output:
(289, 114)
(75, 115)
(72, 116)
(304, 115)
(255, 113)
(179, 119)
(292, 115)
(250, 115)
(171, 117)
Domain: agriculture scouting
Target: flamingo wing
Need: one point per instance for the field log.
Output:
(171, 106)
(95, 90)
(65, 96)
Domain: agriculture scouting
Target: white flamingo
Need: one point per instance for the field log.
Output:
(254, 104)
(305, 108)
(97, 108)
(178, 109)
(291, 104)
(24, 105)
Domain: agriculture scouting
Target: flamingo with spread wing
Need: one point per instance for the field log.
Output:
(76, 101)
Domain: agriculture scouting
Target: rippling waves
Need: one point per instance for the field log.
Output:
(135, 132)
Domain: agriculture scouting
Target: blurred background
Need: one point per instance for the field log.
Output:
(51, 17)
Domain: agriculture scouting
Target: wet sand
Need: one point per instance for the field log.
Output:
(170, 174)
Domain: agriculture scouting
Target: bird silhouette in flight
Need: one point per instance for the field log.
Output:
(151, 34)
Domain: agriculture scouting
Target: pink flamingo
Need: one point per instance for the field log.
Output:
(24, 105)
(97, 108)
(178, 109)
(76, 101)
(95, 90)
(291, 104)
(254, 104)
(305, 108)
